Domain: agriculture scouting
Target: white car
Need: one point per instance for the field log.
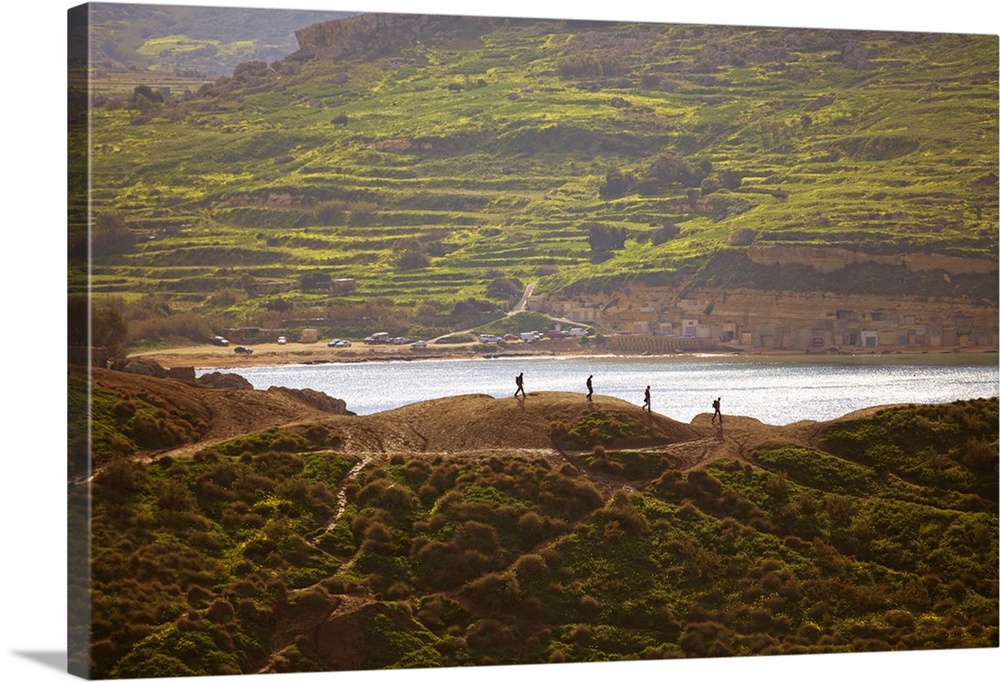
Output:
(339, 343)
(418, 344)
(282, 340)
(488, 338)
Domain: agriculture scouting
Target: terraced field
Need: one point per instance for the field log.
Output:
(430, 167)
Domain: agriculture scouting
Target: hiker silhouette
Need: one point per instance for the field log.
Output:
(519, 380)
(717, 406)
(646, 405)
(590, 387)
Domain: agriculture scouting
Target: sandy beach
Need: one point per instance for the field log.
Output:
(268, 354)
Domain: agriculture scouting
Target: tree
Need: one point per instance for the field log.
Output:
(673, 169)
(505, 288)
(666, 233)
(730, 179)
(615, 184)
(603, 239)
(111, 235)
(315, 281)
(97, 325)
(412, 256)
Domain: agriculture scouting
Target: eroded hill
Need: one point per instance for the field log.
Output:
(474, 530)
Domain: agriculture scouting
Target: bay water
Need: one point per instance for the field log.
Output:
(774, 390)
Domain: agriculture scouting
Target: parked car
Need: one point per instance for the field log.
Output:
(243, 350)
(511, 337)
(400, 341)
(282, 340)
(530, 336)
(220, 341)
(418, 344)
(488, 338)
(339, 343)
(378, 337)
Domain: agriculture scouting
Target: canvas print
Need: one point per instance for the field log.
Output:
(417, 340)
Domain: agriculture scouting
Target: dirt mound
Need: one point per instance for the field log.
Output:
(481, 422)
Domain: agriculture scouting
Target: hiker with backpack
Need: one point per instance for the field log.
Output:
(519, 380)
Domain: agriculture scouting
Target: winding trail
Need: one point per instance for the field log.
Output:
(341, 499)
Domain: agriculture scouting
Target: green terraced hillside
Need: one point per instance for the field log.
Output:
(443, 163)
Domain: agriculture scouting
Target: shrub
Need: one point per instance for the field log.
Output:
(278, 465)
(622, 514)
(530, 568)
(412, 259)
(198, 596)
(221, 611)
(477, 536)
(613, 532)
(492, 593)
(590, 608)
(980, 455)
(581, 635)
(488, 633)
(706, 639)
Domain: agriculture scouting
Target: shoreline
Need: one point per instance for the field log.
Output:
(207, 357)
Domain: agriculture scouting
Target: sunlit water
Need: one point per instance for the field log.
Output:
(775, 391)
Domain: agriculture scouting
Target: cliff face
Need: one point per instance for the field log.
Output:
(377, 33)
(825, 259)
(781, 319)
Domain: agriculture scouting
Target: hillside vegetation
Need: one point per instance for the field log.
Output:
(474, 530)
(444, 163)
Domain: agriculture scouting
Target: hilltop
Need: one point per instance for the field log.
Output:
(785, 188)
(189, 417)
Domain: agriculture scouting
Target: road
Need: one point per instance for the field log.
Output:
(520, 305)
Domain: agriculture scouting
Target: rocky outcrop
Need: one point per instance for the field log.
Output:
(829, 259)
(380, 33)
(145, 367)
(313, 398)
(186, 374)
(224, 380)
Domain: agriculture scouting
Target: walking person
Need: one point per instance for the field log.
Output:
(647, 402)
(590, 388)
(717, 405)
(519, 380)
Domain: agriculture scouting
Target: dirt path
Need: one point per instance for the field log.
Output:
(342, 499)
